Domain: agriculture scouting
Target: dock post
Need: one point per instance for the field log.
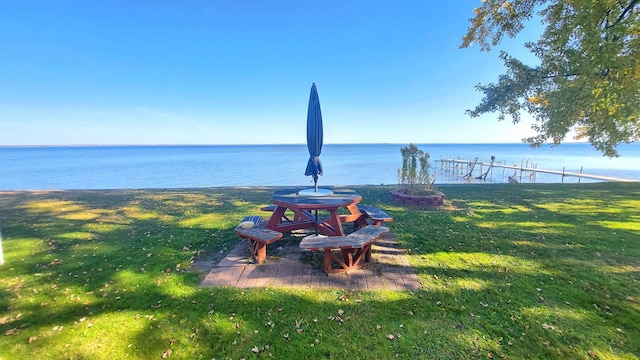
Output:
(580, 177)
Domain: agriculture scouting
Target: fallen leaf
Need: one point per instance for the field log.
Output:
(378, 327)
(390, 337)
(592, 354)
(340, 312)
(167, 353)
(31, 339)
(548, 327)
(255, 349)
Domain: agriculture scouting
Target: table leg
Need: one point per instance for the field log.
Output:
(358, 218)
(302, 220)
(335, 222)
(276, 217)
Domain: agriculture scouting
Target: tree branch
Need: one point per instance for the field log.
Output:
(629, 8)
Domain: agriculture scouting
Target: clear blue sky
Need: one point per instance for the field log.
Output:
(240, 72)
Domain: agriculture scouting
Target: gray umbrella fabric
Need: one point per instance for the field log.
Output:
(314, 136)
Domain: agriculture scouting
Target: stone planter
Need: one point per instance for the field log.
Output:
(420, 200)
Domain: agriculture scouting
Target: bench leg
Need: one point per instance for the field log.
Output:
(258, 250)
(362, 256)
(351, 259)
(361, 222)
(344, 263)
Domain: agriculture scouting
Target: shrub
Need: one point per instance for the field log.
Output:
(414, 177)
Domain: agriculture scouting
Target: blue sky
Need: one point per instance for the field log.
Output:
(240, 72)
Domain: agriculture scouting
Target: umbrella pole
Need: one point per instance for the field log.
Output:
(316, 222)
(315, 182)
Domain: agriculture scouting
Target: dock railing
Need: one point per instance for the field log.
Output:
(527, 170)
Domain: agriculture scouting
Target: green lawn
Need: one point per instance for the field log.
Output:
(524, 271)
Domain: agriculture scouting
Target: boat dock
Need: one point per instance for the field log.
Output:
(526, 172)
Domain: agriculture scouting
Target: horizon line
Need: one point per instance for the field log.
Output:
(282, 144)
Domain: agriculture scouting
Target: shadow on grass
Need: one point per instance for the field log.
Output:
(567, 253)
(535, 271)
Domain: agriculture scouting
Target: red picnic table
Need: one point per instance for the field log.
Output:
(305, 209)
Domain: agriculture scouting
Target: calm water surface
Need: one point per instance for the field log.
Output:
(130, 167)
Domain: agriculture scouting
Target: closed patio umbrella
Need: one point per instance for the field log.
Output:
(314, 137)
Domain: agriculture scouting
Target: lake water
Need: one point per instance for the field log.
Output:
(137, 167)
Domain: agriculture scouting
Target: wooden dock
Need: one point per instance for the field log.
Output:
(527, 170)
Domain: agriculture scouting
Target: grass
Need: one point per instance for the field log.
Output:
(527, 271)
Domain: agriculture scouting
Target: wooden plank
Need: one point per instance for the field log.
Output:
(259, 234)
(368, 232)
(375, 213)
(355, 240)
(320, 242)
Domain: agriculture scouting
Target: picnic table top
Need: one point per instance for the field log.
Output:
(339, 198)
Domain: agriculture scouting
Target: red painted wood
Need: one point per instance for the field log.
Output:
(304, 208)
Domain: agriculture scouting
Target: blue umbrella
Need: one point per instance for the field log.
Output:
(314, 136)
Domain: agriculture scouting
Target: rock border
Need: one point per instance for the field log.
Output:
(421, 200)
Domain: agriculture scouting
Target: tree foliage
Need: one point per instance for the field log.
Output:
(588, 76)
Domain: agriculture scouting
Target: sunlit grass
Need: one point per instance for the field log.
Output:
(208, 221)
(633, 224)
(532, 271)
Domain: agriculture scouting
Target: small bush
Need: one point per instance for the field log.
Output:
(414, 177)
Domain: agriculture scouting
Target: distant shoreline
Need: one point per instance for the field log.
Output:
(293, 144)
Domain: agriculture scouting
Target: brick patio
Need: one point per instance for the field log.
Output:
(288, 267)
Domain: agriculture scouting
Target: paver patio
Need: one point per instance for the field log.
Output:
(288, 267)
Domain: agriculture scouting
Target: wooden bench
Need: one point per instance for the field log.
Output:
(258, 237)
(376, 215)
(355, 248)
